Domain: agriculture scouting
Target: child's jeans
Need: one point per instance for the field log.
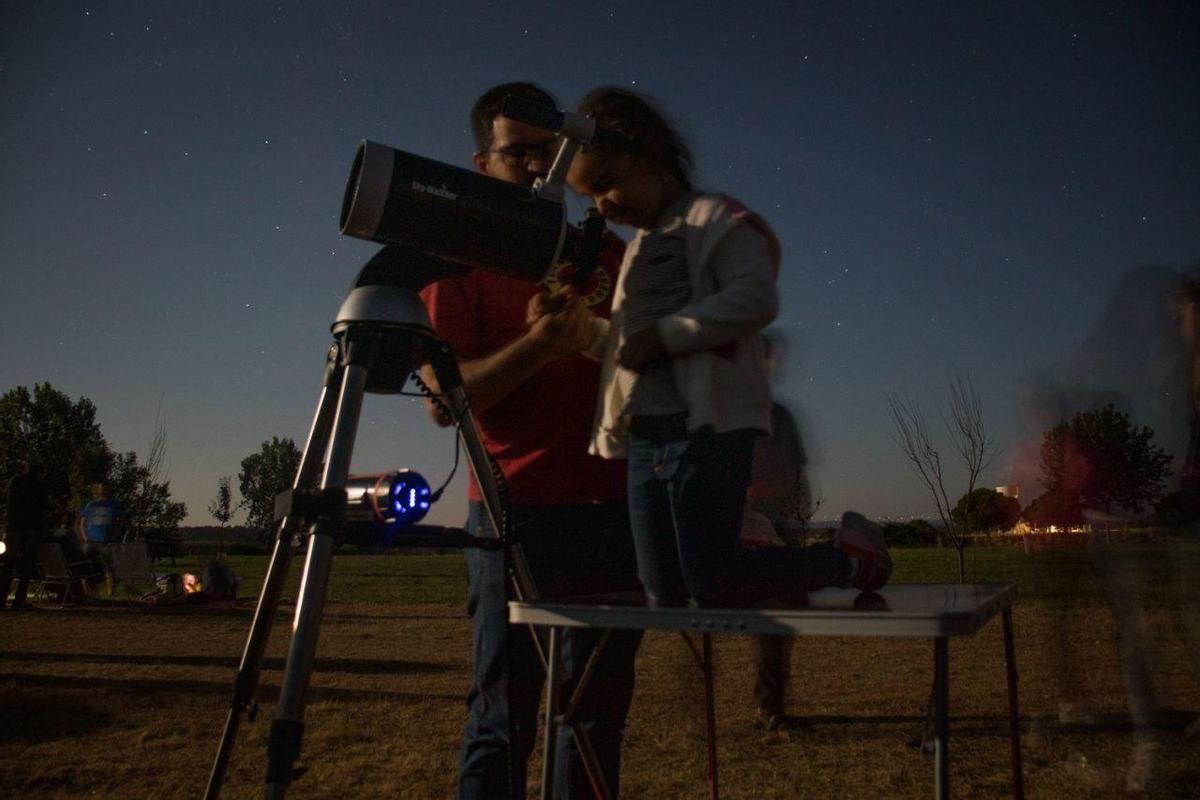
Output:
(686, 500)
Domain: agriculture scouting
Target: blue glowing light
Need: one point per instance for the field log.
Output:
(410, 497)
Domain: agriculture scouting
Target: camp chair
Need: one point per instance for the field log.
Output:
(54, 571)
(130, 564)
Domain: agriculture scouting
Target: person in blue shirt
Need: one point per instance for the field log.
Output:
(103, 519)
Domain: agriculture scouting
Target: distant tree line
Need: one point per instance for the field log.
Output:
(46, 426)
(263, 474)
(62, 436)
(1097, 462)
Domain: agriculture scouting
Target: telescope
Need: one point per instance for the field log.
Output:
(471, 220)
(437, 221)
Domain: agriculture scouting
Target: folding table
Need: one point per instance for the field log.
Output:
(933, 611)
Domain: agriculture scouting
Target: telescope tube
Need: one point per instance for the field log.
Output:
(394, 197)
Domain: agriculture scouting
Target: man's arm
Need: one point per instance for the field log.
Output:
(489, 379)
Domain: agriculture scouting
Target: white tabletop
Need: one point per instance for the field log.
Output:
(905, 609)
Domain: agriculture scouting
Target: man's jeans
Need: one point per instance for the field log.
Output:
(686, 500)
(571, 550)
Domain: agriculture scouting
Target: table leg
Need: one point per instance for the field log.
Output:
(710, 715)
(1014, 716)
(587, 753)
(553, 678)
(941, 722)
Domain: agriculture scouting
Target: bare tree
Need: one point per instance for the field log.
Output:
(145, 490)
(970, 442)
(221, 506)
(156, 456)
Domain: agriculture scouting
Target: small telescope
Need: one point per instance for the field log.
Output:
(391, 499)
(472, 220)
(385, 510)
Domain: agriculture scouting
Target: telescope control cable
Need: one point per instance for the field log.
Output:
(497, 473)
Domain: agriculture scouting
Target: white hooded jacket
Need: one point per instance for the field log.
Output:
(714, 342)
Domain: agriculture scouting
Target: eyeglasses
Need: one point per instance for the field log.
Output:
(523, 155)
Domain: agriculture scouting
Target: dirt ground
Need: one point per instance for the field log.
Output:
(129, 702)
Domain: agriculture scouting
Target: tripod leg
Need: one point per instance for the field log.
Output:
(449, 379)
(287, 731)
(246, 683)
(524, 588)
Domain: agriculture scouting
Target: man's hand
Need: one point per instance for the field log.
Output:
(560, 323)
(544, 303)
(641, 348)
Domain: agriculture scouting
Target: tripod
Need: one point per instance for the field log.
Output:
(381, 335)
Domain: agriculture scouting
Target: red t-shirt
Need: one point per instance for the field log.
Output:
(539, 433)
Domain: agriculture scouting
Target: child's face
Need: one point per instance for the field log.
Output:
(625, 189)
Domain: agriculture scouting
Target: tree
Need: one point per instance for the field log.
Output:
(147, 500)
(986, 510)
(60, 434)
(221, 506)
(1054, 508)
(265, 474)
(969, 439)
(1105, 462)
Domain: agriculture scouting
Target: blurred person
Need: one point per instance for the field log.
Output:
(1141, 355)
(102, 519)
(778, 501)
(530, 389)
(101, 522)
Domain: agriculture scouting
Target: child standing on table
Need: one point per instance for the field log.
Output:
(683, 390)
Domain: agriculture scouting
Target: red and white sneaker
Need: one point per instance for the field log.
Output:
(862, 541)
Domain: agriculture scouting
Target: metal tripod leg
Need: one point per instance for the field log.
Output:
(287, 731)
(373, 325)
(941, 721)
(524, 588)
(246, 683)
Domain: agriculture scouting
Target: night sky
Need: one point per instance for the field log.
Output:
(1004, 193)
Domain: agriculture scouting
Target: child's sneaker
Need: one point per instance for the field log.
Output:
(862, 541)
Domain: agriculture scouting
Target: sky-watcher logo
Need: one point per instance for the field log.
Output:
(436, 191)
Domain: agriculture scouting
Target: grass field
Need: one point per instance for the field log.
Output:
(127, 701)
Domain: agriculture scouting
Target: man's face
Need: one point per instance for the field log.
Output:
(519, 153)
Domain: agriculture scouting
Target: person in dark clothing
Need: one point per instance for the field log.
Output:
(779, 496)
(27, 508)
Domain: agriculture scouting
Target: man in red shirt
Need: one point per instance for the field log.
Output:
(533, 395)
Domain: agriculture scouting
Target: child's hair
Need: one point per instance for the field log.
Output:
(491, 103)
(643, 130)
